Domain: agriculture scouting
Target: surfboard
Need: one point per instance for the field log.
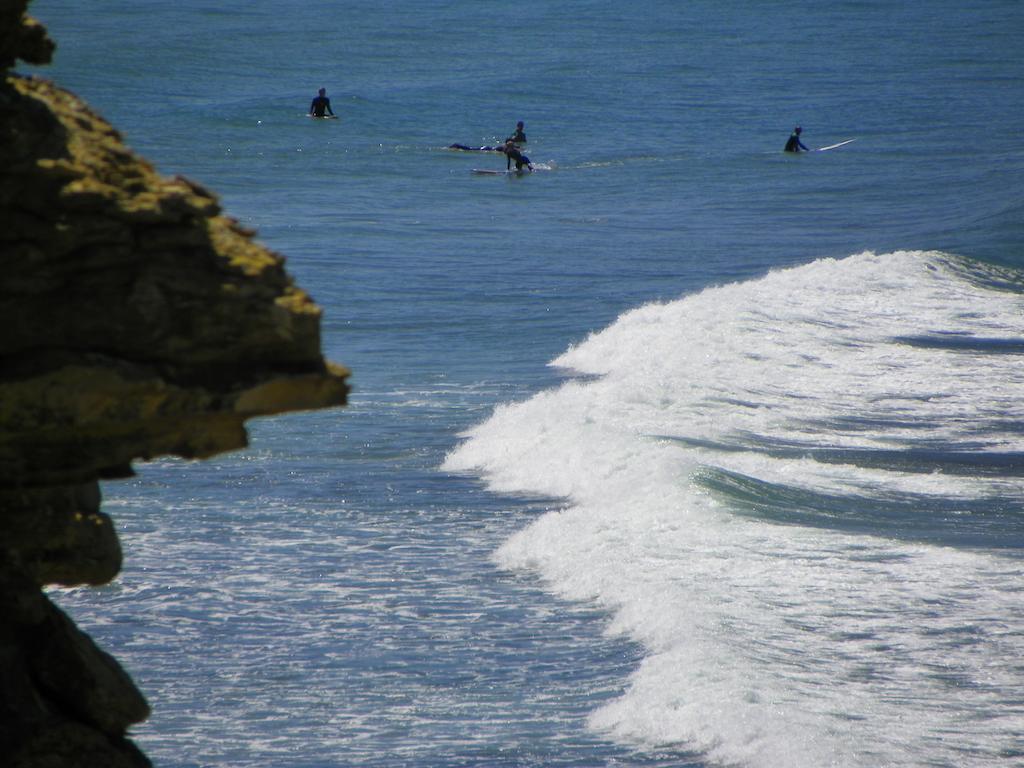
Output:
(834, 146)
(488, 172)
(323, 117)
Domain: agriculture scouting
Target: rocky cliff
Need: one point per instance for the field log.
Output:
(136, 320)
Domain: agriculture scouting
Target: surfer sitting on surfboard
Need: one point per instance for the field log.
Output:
(794, 144)
(512, 153)
(321, 105)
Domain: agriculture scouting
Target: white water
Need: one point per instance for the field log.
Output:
(785, 645)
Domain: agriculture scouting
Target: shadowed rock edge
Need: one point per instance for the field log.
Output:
(136, 320)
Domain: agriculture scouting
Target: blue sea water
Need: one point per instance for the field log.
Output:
(679, 451)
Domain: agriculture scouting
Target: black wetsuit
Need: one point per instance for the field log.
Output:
(511, 153)
(320, 105)
(518, 137)
(794, 144)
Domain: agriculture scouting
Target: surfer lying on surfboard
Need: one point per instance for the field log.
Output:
(516, 138)
(464, 148)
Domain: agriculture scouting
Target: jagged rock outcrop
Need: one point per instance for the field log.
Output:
(135, 320)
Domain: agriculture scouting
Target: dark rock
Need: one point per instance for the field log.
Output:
(137, 320)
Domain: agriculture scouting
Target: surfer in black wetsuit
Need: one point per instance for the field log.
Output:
(794, 144)
(512, 153)
(518, 137)
(321, 105)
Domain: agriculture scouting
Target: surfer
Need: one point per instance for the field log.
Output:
(518, 137)
(512, 153)
(321, 105)
(794, 144)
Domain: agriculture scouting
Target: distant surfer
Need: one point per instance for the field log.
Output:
(518, 137)
(512, 154)
(321, 105)
(794, 144)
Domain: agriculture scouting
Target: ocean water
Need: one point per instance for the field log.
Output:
(679, 451)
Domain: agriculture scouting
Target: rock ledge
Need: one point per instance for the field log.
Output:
(137, 320)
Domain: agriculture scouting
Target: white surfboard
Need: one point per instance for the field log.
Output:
(487, 172)
(834, 146)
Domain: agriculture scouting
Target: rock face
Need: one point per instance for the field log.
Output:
(136, 320)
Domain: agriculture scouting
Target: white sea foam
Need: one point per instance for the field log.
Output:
(773, 645)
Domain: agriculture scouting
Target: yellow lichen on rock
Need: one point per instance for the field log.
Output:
(136, 320)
